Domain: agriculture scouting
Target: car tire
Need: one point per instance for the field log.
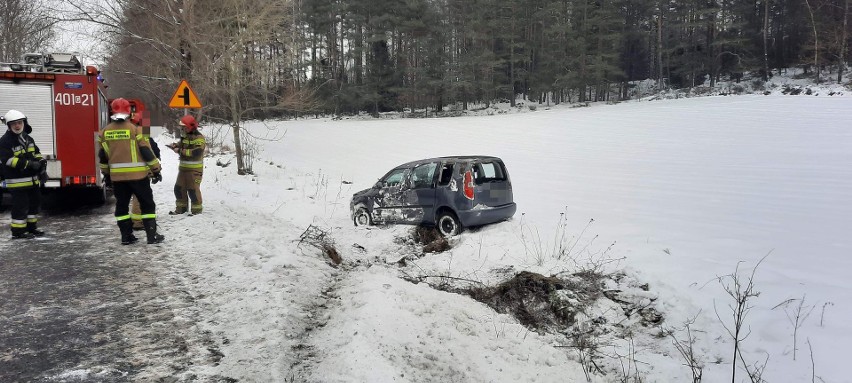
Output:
(448, 224)
(362, 217)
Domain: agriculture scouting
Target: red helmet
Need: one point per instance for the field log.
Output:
(188, 122)
(120, 109)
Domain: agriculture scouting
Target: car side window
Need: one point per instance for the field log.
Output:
(422, 175)
(394, 178)
(446, 174)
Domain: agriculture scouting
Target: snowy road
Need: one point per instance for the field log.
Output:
(78, 306)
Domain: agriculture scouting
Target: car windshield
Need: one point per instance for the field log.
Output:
(394, 178)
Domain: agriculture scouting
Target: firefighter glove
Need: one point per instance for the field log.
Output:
(42, 165)
(34, 166)
(157, 177)
(107, 181)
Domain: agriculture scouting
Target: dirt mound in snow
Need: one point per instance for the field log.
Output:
(552, 303)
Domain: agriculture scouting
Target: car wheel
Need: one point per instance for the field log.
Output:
(362, 217)
(448, 224)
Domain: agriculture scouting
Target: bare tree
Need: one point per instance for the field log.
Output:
(816, 39)
(843, 41)
(25, 26)
(234, 53)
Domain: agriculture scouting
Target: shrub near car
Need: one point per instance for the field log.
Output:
(447, 192)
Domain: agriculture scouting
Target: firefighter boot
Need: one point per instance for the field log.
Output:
(20, 233)
(151, 231)
(126, 228)
(32, 228)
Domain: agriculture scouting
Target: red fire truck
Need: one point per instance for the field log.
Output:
(65, 104)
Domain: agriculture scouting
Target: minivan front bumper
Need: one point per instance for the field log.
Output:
(483, 215)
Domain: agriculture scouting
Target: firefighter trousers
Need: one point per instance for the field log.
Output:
(188, 191)
(141, 189)
(26, 204)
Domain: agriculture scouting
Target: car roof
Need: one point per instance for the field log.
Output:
(447, 158)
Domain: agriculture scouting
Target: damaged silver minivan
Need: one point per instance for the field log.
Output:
(448, 192)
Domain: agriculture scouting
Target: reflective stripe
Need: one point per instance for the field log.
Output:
(32, 219)
(182, 162)
(135, 217)
(11, 162)
(198, 166)
(129, 170)
(21, 182)
(127, 165)
(197, 141)
(106, 148)
(18, 225)
(122, 217)
(134, 151)
(148, 216)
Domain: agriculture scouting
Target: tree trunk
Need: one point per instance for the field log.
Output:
(816, 41)
(235, 115)
(660, 49)
(765, 40)
(845, 36)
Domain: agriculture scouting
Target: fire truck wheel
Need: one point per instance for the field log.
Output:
(97, 196)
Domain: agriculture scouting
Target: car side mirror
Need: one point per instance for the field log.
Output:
(378, 185)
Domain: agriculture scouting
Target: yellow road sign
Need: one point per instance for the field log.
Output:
(184, 97)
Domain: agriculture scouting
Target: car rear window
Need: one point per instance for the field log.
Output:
(488, 172)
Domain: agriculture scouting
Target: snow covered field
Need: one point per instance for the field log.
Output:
(685, 189)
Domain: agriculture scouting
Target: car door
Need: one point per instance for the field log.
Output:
(418, 195)
(387, 207)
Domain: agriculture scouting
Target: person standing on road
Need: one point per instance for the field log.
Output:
(122, 145)
(135, 209)
(22, 167)
(190, 149)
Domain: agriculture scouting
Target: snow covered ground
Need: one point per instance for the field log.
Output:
(687, 190)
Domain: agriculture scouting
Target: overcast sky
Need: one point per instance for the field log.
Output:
(80, 37)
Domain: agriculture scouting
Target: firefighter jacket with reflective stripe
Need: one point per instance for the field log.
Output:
(191, 151)
(17, 152)
(125, 154)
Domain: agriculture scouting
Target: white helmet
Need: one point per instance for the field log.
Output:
(13, 115)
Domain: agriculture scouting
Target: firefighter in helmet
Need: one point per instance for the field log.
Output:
(135, 209)
(22, 166)
(126, 159)
(191, 151)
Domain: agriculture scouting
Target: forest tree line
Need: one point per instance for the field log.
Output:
(386, 55)
(262, 58)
